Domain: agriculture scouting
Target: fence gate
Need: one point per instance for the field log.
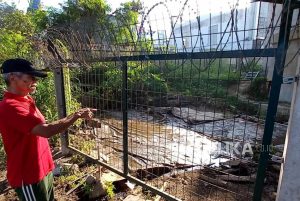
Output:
(186, 96)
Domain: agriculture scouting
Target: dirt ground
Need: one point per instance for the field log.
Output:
(188, 186)
(191, 187)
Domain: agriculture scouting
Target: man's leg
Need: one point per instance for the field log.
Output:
(41, 191)
(33, 192)
(50, 187)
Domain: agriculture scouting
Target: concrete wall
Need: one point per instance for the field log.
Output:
(188, 38)
(289, 183)
(290, 70)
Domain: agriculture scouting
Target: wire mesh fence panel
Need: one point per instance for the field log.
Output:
(181, 94)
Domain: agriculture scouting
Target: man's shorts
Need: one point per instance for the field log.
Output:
(41, 191)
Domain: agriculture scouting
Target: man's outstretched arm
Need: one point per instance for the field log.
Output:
(59, 126)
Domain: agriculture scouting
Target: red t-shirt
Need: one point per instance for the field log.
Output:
(29, 157)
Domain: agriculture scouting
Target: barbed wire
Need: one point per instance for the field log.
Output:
(60, 45)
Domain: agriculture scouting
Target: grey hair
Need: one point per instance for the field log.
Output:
(7, 75)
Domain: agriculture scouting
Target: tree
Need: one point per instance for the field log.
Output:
(17, 36)
(17, 30)
(4, 10)
(74, 11)
(126, 20)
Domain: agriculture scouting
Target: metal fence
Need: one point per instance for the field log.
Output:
(186, 104)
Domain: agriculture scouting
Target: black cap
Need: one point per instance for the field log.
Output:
(22, 66)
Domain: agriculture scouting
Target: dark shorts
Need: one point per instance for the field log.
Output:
(41, 191)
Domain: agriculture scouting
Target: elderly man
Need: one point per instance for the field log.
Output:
(25, 132)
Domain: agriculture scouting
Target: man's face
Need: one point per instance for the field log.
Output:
(23, 83)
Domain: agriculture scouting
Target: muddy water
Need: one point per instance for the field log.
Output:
(175, 140)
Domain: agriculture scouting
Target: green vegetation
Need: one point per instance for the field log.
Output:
(88, 188)
(45, 94)
(196, 78)
(16, 40)
(68, 178)
(213, 84)
(109, 187)
(106, 81)
(72, 105)
(19, 30)
(258, 89)
(85, 146)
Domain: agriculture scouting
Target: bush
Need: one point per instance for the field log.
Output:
(198, 78)
(140, 79)
(104, 81)
(150, 81)
(235, 105)
(258, 89)
(45, 98)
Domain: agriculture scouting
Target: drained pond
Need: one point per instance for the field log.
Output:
(172, 137)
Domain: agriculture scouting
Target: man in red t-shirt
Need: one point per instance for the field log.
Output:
(25, 132)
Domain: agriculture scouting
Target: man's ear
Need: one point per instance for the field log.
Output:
(11, 78)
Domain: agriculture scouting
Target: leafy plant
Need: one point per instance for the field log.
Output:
(77, 159)
(83, 145)
(109, 187)
(67, 179)
(88, 188)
